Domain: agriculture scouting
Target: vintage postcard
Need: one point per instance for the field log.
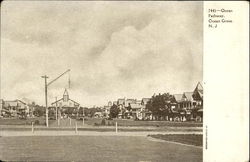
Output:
(124, 81)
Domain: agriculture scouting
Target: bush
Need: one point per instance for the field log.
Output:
(111, 124)
(103, 122)
(36, 122)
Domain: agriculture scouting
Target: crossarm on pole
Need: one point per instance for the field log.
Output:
(58, 77)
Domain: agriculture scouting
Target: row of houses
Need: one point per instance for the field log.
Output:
(14, 108)
(184, 106)
(188, 105)
(128, 108)
(20, 108)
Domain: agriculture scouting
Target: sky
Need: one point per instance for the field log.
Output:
(113, 49)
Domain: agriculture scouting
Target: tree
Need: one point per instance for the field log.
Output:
(83, 111)
(39, 110)
(114, 111)
(159, 104)
(51, 112)
(129, 107)
(92, 111)
(69, 111)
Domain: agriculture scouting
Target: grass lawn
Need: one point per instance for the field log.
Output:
(94, 148)
(191, 139)
(128, 122)
(97, 121)
(16, 121)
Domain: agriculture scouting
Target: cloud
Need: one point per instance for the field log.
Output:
(114, 49)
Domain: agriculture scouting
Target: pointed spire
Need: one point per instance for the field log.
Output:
(65, 95)
(198, 92)
(65, 92)
(199, 87)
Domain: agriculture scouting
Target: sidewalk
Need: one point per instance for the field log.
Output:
(3, 127)
(90, 130)
(85, 133)
(101, 129)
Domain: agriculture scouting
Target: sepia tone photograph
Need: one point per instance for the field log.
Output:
(101, 81)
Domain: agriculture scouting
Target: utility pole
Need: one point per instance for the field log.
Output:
(46, 89)
(46, 101)
(56, 108)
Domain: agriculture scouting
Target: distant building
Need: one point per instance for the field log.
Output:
(66, 101)
(144, 101)
(120, 104)
(138, 102)
(129, 101)
(177, 102)
(198, 98)
(1, 106)
(14, 108)
(180, 107)
(146, 114)
(137, 110)
(198, 95)
(67, 105)
(188, 98)
(131, 108)
(106, 109)
(189, 104)
(121, 101)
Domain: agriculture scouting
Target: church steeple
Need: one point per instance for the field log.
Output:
(65, 96)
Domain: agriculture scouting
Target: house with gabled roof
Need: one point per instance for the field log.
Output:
(14, 108)
(106, 109)
(198, 94)
(188, 96)
(136, 110)
(177, 101)
(188, 100)
(144, 101)
(189, 104)
(130, 101)
(121, 101)
(66, 104)
(1, 106)
(198, 98)
(178, 97)
(120, 104)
